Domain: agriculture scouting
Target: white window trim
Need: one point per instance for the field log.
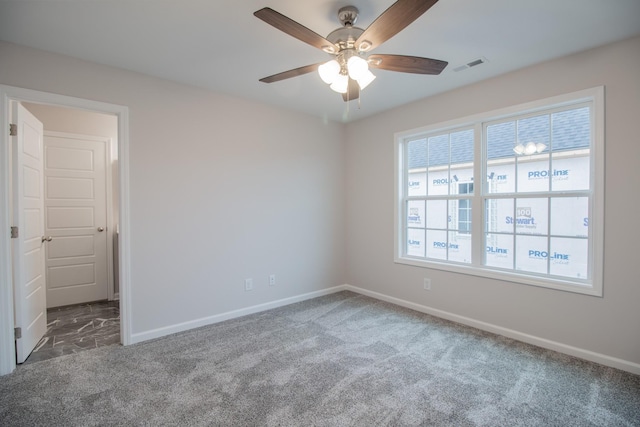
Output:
(596, 215)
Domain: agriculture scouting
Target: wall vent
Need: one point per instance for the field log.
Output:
(470, 64)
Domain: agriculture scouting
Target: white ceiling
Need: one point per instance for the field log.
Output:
(220, 45)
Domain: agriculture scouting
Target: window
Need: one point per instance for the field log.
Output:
(514, 194)
(439, 166)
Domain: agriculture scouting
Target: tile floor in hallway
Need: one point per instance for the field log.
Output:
(78, 328)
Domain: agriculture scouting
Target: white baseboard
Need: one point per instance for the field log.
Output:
(185, 326)
(581, 353)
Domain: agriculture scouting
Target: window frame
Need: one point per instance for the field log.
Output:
(594, 97)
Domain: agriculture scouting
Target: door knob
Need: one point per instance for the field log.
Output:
(101, 229)
(47, 239)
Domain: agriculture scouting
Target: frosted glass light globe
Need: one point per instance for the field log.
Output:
(329, 71)
(365, 79)
(357, 67)
(340, 84)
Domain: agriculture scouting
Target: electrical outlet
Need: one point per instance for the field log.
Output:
(272, 280)
(427, 284)
(248, 284)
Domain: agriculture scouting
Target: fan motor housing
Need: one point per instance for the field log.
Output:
(345, 37)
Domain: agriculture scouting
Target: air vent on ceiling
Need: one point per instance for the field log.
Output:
(470, 64)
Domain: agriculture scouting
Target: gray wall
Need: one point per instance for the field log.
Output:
(607, 325)
(221, 189)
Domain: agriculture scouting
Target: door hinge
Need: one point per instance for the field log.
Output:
(14, 232)
(18, 332)
(13, 129)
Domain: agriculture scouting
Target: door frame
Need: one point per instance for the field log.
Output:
(7, 321)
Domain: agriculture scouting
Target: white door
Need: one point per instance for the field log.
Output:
(75, 216)
(28, 248)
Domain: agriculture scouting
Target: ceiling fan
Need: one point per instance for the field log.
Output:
(348, 72)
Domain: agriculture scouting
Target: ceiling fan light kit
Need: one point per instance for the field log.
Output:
(348, 72)
(340, 70)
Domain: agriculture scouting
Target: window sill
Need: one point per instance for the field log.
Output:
(506, 276)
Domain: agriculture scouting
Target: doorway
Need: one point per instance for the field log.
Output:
(80, 206)
(45, 100)
(79, 233)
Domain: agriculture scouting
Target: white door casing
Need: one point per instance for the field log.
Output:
(29, 248)
(9, 95)
(76, 218)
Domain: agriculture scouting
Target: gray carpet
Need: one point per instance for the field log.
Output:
(338, 360)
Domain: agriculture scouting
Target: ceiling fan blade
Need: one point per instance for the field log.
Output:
(291, 73)
(393, 20)
(407, 64)
(353, 91)
(294, 29)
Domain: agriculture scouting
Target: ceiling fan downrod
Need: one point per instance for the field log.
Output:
(348, 15)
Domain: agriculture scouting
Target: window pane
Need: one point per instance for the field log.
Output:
(569, 257)
(417, 168)
(460, 210)
(533, 167)
(461, 162)
(460, 215)
(570, 216)
(571, 144)
(459, 247)
(415, 213)
(438, 168)
(499, 216)
(501, 177)
(437, 244)
(501, 138)
(533, 173)
(463, 206)
(438, 182)
(534, 129)
(462, 148)
(454, 215)
(415, 242)
(437, 214)
(571, 129)
(499, 250)
(532, 216)
(464, 218)
(417, 184)
(531, 254)
(570, 171)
